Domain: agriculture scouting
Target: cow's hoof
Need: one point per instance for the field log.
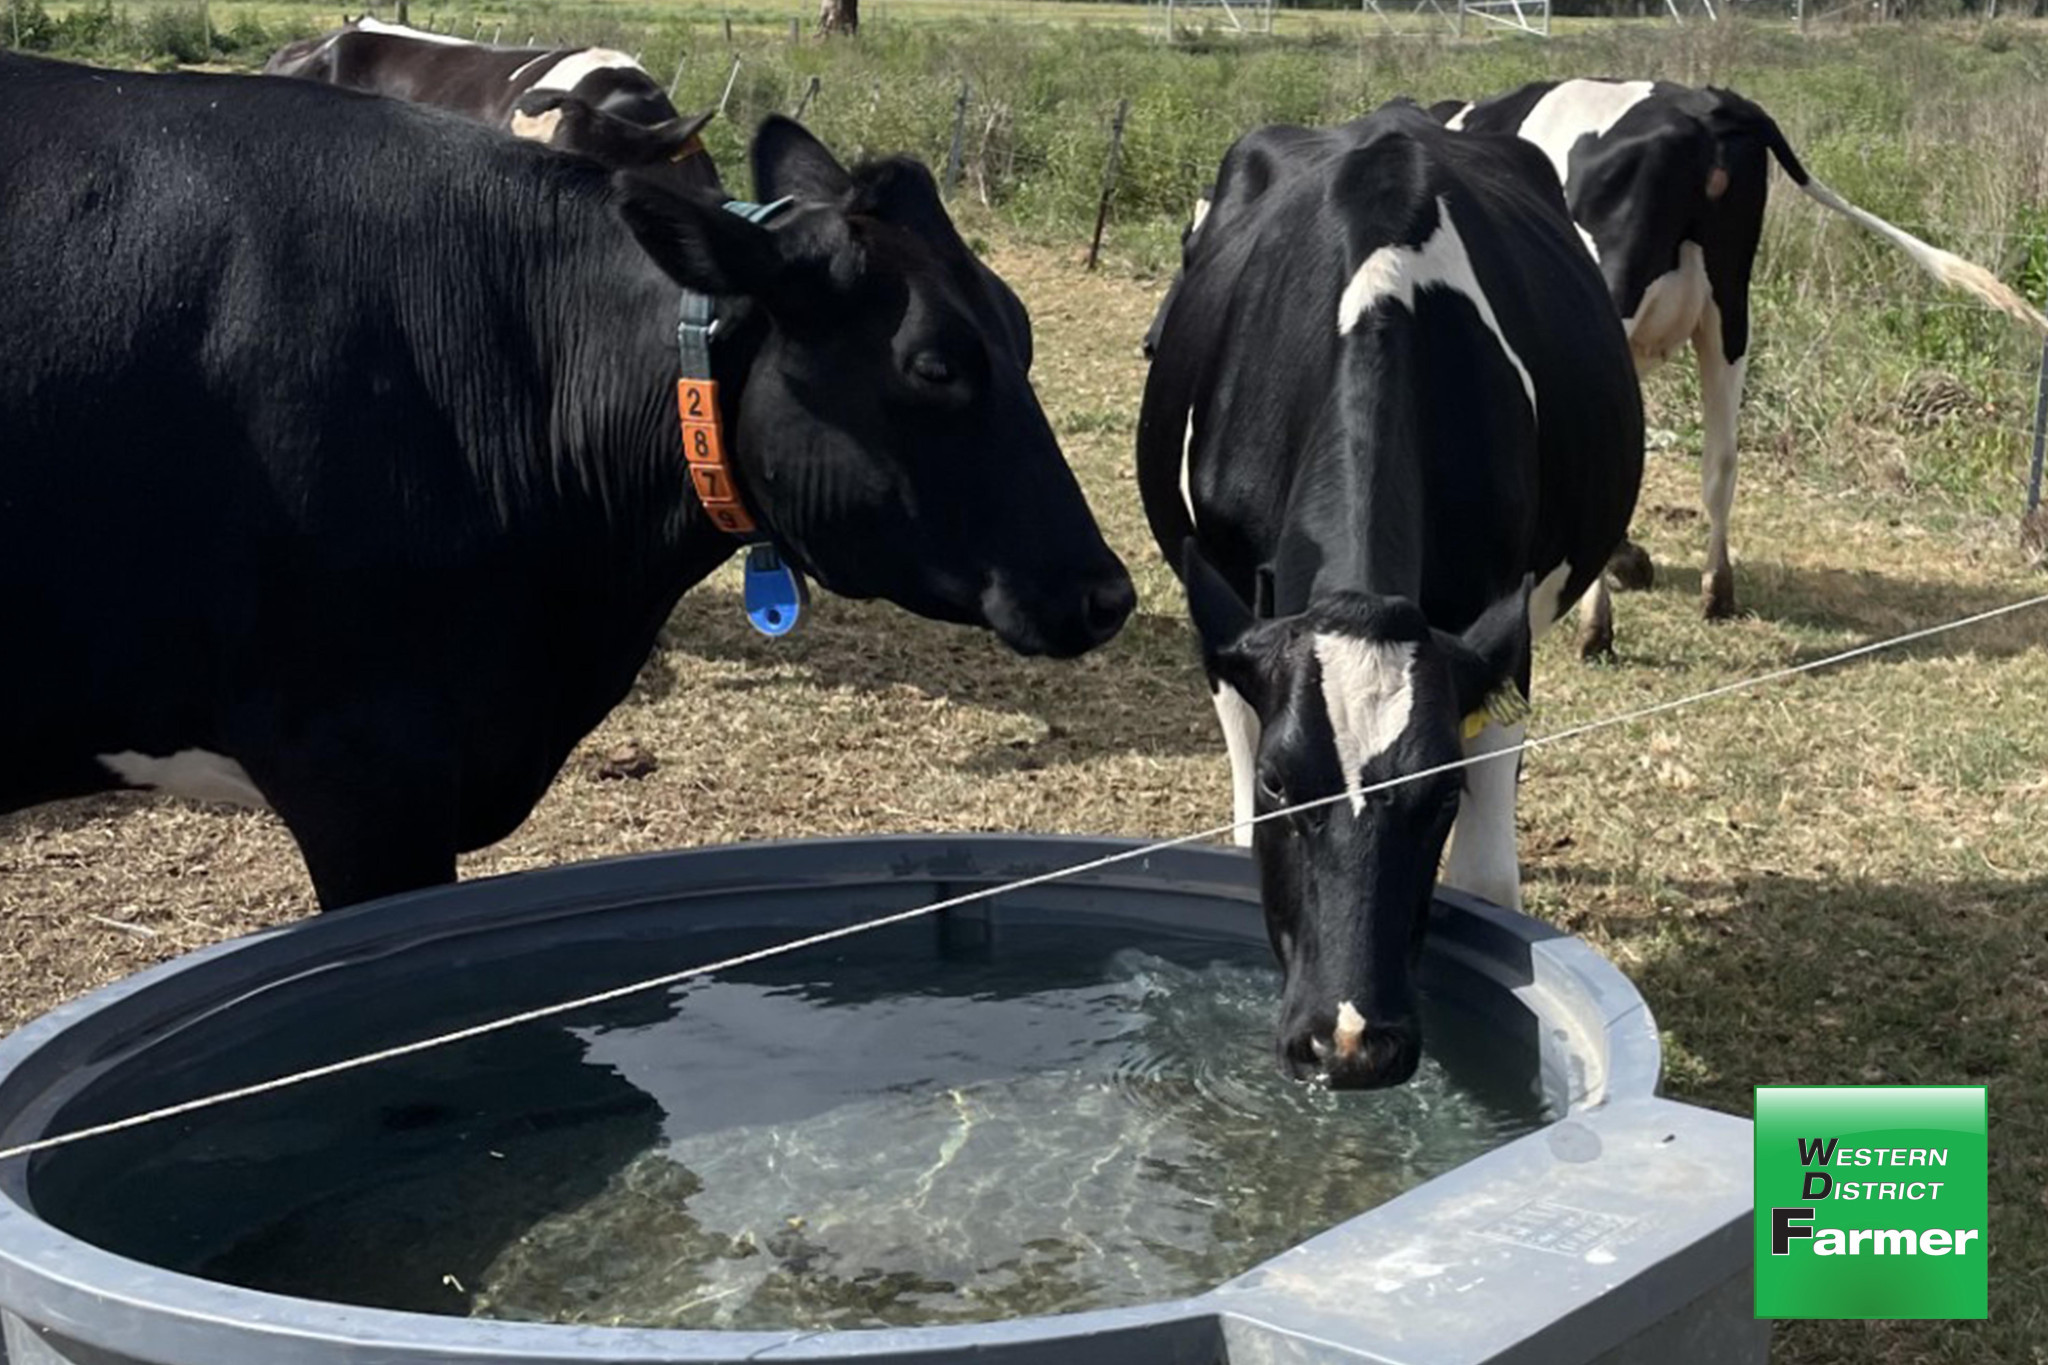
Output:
(1717, 596)
(1629, 569)
(1596, 646)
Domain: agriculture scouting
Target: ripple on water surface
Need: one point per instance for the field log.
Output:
(1133, 1141)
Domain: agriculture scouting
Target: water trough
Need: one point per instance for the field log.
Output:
(1616, 1232)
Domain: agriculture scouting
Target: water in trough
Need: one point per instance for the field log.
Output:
(873, 1133)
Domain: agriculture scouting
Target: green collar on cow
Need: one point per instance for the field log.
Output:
(774, 592)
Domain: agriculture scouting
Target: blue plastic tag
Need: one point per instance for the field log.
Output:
(775, 593)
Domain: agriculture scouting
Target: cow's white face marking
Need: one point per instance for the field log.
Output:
(539, 127)
(1574, 109)
(418, 35)
(1398, 273)
(570, 71)
(194, 773)
(1671, 310)
(1544, 608)
(1369, 691)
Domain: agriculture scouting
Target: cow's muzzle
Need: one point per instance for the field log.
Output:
(1349, 1052)
(1061, 624)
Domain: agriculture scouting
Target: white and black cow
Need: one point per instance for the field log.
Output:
(1667, 185)
(589, 100)
(375, 533)
(1388, 397)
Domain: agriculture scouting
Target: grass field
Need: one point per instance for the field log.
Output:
(1839, 879)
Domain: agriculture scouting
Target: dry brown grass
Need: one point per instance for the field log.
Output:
(1839, 879)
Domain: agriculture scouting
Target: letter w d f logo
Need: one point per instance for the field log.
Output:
(1782, 1231)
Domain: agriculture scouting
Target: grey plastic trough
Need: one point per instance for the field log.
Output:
(1619, 1233)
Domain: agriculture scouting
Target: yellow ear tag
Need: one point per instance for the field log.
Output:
(1505, 705)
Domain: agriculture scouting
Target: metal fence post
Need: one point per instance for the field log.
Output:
(1109, 169)
(730, 77)
(2040, 435)
(954, 152)
(2034, 524)
(810, 93)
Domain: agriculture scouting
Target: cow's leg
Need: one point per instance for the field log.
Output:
(1721, 399)
(1241, 737)
(350, 864)
(1596, 620)
(373, 815)
(1629, 568)
(1481, 859)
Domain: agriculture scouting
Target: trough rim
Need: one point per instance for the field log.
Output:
(111, 1302)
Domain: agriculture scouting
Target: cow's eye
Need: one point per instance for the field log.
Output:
(931, 367)
(1271, 787)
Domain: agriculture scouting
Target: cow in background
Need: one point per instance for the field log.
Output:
(589, 100)
(1667, 186)
(1390, 433)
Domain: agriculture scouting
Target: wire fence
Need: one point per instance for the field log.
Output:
(575, 1004)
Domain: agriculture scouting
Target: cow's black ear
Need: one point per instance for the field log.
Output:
(1493, 650)
(901, 190)
(1223, 623)
(690, 125)
(571, 124)
(789, 162)
(699, 246)
(667, 141)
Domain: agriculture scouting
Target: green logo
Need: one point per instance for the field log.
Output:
(1871, 1201)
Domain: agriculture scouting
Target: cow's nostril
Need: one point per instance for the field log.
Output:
(1107, 607)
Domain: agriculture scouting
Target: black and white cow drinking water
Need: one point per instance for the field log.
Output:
(1667, 185)
(589, 100)
(373, 534)
(1389, 396)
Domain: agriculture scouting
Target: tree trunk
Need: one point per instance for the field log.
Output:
(839, 16)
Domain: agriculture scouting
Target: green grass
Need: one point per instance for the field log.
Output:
(1937, 128)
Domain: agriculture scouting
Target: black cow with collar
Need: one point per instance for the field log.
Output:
(1667, 186)
(1390, 430)
(589, 100)
(344, 474)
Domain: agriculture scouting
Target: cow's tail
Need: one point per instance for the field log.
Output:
(1952, 270)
